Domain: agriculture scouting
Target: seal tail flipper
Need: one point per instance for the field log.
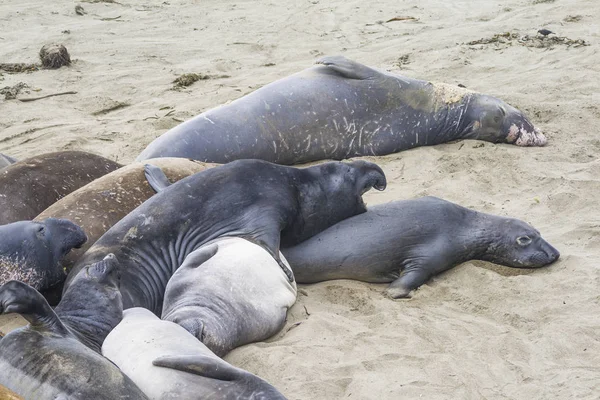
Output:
(18, 297)
(156, 177)
(348, 68)
(209, 367)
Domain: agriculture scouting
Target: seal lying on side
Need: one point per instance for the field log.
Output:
(237, 296)
(32, 252)
(30, 186)
(340, 109)
(102, 203)
(56, 356)
(5, 160)
(407, 242)
(265, 203)
(166, 362)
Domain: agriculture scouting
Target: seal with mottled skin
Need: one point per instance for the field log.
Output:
(407, 242)
(229, 297)
(265, 203)
(32, 252)
(30, 186)
(100, 204)
(341, 109)
(5, 160)
(166, 362)
(57, 355)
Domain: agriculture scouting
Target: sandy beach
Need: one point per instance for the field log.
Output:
(479, 331)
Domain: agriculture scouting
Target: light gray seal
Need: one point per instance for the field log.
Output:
(229, 294)
(340, 109)
(407, 242)
(268, 204)
(57, 355)
(167, 362)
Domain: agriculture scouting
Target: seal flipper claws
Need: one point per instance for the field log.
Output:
(210, 367)
(407, 282)
(348, 68)
(156, 177)
(18, 297)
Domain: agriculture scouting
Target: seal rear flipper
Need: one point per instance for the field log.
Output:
(156, 177)
(18, 297)
(209, 367)
(348, 68)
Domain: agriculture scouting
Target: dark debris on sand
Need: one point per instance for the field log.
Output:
(503, 40)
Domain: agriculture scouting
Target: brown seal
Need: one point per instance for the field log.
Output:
(99, 205)
(30, 186)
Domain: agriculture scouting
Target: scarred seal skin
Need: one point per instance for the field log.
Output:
(407, 242)
(31, 185)
(340, 109)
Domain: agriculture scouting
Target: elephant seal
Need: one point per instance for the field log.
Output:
(30, 186)
(56, 355)
(32, 252)
(229, 294)
(102, 203)
(166, 362)
(265, 203)
(341, 109)
(5, 160)
(407, 242)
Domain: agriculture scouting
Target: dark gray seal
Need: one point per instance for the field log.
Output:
(265, 203)
(167, 362)
(32, 252)
(56, 355)
(340, 109)
(407, 242)
(30, 186)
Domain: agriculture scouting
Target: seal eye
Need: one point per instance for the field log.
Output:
(523, 240)
(41, 230)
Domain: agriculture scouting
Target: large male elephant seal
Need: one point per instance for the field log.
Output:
(407, 242)
(166, 362)
(30, 186)
(100, 204)
(32, 252)
(265, 203)
(229, 297)
(5, 160)
(56, 356)
(340, 109)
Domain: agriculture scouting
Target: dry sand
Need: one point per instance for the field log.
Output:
(477, 332)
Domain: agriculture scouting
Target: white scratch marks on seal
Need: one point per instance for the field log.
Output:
(208, 119)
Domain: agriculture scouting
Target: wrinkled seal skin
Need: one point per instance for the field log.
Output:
(340, 109)
(32, 252)
(57, 355)
(407, 242)
(167, 362)
(265, 203)
(5, 160)
(229, 294)
(30, 186)
(100, 204)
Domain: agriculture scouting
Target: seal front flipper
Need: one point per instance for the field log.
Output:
(271, 243)
(18, 297)
(209, 367)
(156, 177)
(348, 68)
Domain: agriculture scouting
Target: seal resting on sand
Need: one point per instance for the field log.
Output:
(167, 362)
(265, 203)
(407, 242)
(340, 109)
(57, 355)
(100, 204)
(30, 186)
(228, 294)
